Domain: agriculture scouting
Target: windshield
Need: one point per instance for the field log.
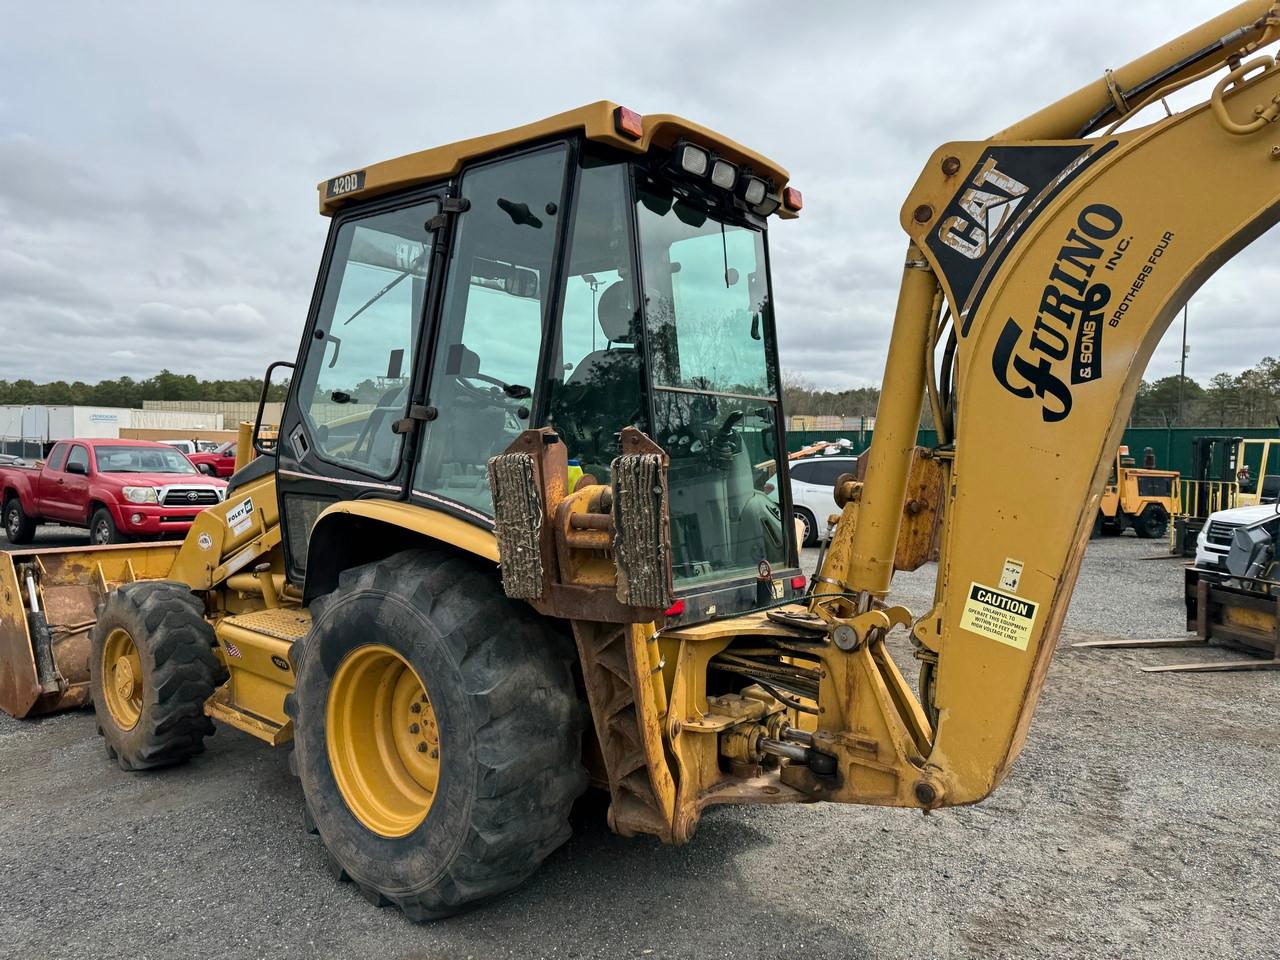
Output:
(708, 320)
(141, 460)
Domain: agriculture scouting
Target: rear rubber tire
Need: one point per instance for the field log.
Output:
(19, 528)
(103, 529)
(1152, 523)
(179, 672)
(499, 678)
(806, 517)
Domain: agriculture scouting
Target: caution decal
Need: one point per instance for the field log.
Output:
(1000, 616)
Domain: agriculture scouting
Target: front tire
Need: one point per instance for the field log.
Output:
(20, 528)
(806, 518)
(103, 529)
(1152, 523)
(438, 808)
(151, 669)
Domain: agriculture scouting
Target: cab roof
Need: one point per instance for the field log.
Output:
(596, 121)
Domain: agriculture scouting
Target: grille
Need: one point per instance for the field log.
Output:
(190, 497)
(1220, 534)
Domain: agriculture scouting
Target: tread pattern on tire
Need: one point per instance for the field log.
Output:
(166, 621)
(516, 676)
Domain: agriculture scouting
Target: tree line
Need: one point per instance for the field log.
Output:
(127, 392)
(1248, 399)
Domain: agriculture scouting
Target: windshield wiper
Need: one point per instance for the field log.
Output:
(379, 295)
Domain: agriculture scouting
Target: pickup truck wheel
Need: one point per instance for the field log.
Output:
(102, 529)
(17, 525)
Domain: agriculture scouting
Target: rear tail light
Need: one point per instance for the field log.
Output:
(797, 582)
(674, 610)
(628, 123)
(792, 199)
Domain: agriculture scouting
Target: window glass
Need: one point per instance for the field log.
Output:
(120, 459)
(80, 456)
(355, 379)
(804, 472)
(829, 471)
(714, 387)
(486, 356)
(57, 456)
(707, 315)
(596, 380)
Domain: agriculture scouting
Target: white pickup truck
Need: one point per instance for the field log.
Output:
(1214, 542)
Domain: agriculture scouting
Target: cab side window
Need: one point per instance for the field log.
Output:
(58, 456)
(804, 472)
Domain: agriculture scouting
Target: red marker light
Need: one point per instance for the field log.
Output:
(793, 199)
(798, 582)
(628, 123)
(674, 610)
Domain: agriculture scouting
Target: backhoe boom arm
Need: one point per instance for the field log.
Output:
(1062, 261)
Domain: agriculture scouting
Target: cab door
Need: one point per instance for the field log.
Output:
(73, 486)
(497, 300)
(342, 434)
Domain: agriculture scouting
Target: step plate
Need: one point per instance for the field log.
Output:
(281, 623)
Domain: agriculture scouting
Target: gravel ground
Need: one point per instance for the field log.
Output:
(1138, 822)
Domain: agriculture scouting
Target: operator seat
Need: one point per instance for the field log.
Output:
(603, 393)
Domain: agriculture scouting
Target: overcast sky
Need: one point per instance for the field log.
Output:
(158, 161)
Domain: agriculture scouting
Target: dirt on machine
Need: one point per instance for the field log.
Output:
(511, 541)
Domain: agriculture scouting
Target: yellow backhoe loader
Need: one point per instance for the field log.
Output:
(510, 538)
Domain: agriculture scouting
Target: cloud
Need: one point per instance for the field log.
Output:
(158, 164)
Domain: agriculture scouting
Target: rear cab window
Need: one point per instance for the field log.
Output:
(57, 456)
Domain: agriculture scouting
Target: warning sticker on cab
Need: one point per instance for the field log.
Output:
(999, 616)
(240, 517)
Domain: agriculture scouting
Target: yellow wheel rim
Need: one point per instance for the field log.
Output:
(383, 740)
(122, 679)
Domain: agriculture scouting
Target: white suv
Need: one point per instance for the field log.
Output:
(1214, 542)
(813, 482)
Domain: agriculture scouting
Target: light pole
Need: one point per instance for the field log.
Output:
(1182, 372)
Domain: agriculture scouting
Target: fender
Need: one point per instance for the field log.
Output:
(370, 529)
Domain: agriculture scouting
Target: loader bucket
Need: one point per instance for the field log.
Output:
(48, 603)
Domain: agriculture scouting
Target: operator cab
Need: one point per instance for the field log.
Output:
(577, 277)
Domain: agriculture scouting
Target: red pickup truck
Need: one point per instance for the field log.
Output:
(220, 462)
(117, 489)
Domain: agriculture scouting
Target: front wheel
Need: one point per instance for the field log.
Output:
(808, 525)
(1152, 523)
(151, 669)
(437, 733)
(103, 530)
(18, 526)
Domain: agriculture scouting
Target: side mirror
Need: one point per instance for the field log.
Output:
(205, 469)
(77, 467)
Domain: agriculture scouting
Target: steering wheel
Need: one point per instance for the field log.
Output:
(489, 395)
